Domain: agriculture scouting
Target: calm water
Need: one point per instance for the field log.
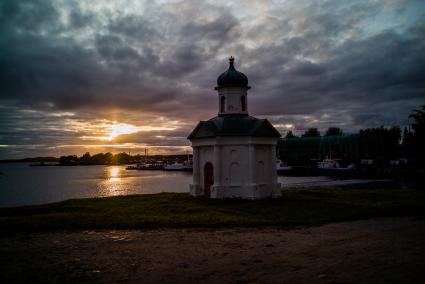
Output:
(24, 185)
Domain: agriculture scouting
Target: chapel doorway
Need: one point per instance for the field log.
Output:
(208, 179)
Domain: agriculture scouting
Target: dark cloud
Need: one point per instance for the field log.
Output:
(311, 64)
(166, 138)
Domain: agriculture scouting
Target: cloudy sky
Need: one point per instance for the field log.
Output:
(79, 76)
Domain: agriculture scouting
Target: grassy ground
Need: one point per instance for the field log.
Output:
(178, 210)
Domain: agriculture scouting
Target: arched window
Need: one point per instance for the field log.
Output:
(222, 103)
(243, 103)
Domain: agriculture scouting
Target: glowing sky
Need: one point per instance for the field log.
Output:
(97, 76)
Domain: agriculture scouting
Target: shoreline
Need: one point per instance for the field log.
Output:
(310, 182)
(297, 207)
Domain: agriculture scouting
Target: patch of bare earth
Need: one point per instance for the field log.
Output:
(390, 250)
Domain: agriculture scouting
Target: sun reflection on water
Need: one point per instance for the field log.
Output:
(116, 180)
(114, 174)
(114, 183)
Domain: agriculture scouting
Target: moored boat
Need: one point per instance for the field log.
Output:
(186, 166)
(178, 167)
(145, 167)
(332, 167)
(282, 167)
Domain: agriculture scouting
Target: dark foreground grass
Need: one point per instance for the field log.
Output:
(178, 210)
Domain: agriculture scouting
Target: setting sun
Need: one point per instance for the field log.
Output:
(116, 129)
(120, 128)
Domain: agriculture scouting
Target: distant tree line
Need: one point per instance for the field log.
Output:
(378, 144)
(97, 159)
(314, 132)
(113, 159)
(31, 160)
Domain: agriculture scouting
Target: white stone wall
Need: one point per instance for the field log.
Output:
(243, 167)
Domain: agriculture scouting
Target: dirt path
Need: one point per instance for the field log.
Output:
(375, 251)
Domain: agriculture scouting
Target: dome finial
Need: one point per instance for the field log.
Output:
(231, 61)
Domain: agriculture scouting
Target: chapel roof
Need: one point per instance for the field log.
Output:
(234, 125)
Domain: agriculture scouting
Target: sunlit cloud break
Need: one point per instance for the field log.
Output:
(115, 129)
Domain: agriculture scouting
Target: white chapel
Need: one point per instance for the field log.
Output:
(234, 154)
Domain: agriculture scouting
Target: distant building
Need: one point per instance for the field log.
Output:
(376, 147)
(234, 154)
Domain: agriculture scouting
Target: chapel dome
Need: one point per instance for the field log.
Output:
(231, 77)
